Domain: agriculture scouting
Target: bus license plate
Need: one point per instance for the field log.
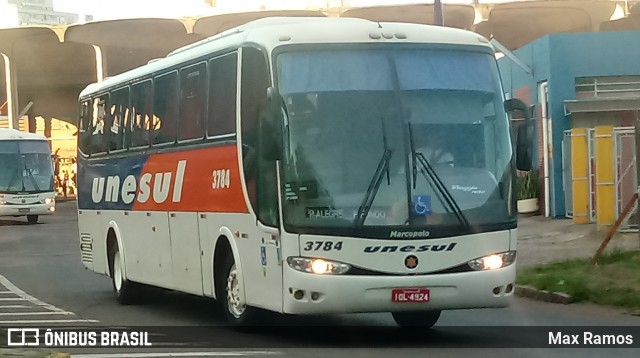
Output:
(23, 210)
(410, 295)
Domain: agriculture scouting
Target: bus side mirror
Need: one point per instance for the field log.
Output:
(271, 127)
(524, 136)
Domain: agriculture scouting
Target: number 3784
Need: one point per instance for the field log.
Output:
(221, 179)
(322, 246)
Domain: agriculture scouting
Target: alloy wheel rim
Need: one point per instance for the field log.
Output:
(233, 294)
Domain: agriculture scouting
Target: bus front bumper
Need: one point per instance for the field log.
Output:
(328, 294)
(27, 209)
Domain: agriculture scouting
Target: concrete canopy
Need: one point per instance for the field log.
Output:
(212, 25)
(130, 43)
(40, 65)
(609, 104)
(516, 24)
(51, 65)
(459, 16)
(625, 24)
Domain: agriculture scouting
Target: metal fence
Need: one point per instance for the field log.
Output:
(626, 180)
(625, 175)
(567, 176)
(591, 144)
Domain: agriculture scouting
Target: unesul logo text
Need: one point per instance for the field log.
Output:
(111, 188)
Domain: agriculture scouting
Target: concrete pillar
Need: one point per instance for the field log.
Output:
(101, 64)
(12, 92)
(31, 122)
(47, 127)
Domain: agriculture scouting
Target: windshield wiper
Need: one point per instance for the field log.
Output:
(376, 180)
(33, 179)
(430, 175)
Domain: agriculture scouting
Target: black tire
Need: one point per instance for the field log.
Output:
(420, 319)
(127, 292)
(32, 219)
(241, 317)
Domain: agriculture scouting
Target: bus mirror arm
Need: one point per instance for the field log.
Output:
(271, 127)
(524, 136)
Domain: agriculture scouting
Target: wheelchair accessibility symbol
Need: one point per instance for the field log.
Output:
(421, 205)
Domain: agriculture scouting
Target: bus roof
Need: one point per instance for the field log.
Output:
(272, 32)
(13, 134)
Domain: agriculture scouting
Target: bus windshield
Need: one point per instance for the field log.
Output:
(25, 167)
(385, 137)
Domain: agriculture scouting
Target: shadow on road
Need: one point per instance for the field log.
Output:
(209, 330)
(14, 222)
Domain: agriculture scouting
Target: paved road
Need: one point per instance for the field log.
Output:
(43, 283)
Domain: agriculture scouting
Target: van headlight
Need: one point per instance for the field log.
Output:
(318, 266)
(493, 262)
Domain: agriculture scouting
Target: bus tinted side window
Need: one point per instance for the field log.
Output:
(222, 95)
(84, 127)
(119, 110)
(165, 108)
(141, 114)
(192, 101)
(99, 125)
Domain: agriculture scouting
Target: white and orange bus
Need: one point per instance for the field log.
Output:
(26, 175)
(290, 165)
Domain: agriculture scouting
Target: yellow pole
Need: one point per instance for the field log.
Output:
(605, 178)
(580, 175)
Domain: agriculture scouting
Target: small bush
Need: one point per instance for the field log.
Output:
(527, 185)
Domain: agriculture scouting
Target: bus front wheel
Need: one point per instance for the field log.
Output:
(229, 293)
(421, 319)
(32, 219)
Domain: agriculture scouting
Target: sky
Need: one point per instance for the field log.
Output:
(114, 9)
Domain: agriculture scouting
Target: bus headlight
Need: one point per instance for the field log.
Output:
(2, 201)
(48, 201)
(493, 262)
(318, 266)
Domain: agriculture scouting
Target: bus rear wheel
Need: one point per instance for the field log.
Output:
(127, 292)
(229, 293)
(420, 319)
(32, 219)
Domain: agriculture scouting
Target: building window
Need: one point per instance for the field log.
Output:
(610, 86)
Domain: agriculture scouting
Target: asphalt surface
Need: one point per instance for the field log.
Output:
(42, 278)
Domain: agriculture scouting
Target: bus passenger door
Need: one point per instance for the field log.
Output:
(263, 261)
(268, 278)
(185, 252)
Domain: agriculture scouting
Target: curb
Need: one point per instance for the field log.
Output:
(62, 199)
(541, 295)
(31, 353)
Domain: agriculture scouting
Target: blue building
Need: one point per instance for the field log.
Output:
(578, 80)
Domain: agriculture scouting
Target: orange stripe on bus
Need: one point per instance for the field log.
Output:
(202, 180)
